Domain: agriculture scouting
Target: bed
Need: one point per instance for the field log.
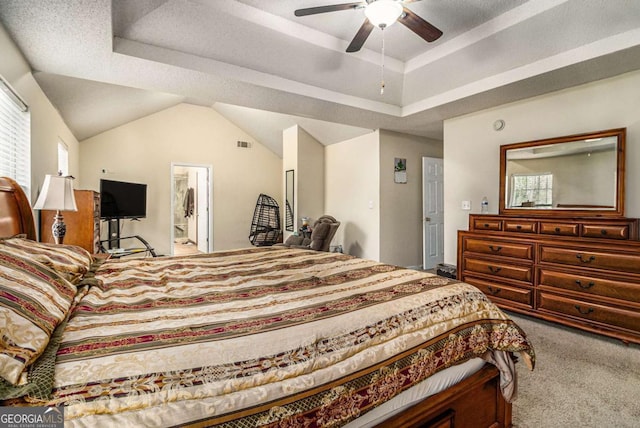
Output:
(268, 336)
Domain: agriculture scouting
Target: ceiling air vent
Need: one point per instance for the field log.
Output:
(244, 144)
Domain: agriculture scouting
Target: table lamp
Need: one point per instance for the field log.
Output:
(57, 194)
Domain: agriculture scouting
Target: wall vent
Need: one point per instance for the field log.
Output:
(244, 144)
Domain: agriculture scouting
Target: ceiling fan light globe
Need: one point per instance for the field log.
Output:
(383, 13)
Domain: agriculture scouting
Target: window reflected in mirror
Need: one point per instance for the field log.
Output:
(289, 201)
(575, 173)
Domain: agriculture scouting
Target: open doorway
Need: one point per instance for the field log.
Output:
(190, 209)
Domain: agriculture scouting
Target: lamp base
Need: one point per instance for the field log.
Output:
(58, 228)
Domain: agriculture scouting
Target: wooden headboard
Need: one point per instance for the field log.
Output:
(15, 212)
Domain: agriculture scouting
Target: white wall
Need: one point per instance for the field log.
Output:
(47, 125)
(352, 194)
(401, 204)
(472, 147)
(142, 151)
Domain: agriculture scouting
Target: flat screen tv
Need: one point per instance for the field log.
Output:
(119, 199)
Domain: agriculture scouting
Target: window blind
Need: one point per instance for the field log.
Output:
(15, 137)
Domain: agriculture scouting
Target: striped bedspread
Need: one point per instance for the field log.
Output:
(263, 337)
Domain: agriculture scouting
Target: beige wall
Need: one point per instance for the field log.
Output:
(305, 155)
(310, 177)
(352, 194)
(472, 147)
(290, 161)
(13, 65)
(142, 151)
(47, 126)
(401, 204)
(379, 219)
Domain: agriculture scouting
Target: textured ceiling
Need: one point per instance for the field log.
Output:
(104, 63)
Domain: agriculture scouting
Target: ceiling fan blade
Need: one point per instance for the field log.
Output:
(361, 36)
(330, 8)
(419, 26)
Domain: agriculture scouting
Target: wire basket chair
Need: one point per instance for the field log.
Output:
(265, 226)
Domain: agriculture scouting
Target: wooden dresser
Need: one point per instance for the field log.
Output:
(83, 226)
(581, 272)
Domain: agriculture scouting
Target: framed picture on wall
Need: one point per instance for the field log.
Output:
(400, 170)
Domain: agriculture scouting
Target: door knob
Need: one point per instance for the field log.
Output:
(427, 219)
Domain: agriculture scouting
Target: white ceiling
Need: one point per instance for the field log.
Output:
(103, 63)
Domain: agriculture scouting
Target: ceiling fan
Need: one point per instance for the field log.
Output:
(379, 13)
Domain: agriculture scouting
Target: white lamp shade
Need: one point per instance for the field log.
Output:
(383, 13)
(56, 194)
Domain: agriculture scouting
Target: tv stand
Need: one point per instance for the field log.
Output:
(113, 242)
(114, 233)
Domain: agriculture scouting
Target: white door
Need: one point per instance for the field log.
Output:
(202, 201)
(432, 213)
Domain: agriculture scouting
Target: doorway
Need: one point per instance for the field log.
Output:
(432, 212)
(190, 209)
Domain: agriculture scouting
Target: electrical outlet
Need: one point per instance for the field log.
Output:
(466, 205)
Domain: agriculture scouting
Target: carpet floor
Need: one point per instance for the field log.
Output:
(580, 380)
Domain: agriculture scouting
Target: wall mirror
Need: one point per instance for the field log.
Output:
(578, 175)
(289, 200)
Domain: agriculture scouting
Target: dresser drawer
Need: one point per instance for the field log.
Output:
(523, 296)
(499, 248)
(575, 270)
(616, 289)
(503, 270)
(605, 231)
(561, 229)
(520, 226)
(487, 224)
(591, 259)
(624, 318)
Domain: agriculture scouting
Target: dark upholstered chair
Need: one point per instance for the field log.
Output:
(322, 233)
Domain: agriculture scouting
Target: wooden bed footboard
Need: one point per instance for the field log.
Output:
(476, 402)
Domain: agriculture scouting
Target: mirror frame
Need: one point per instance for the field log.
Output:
(618, 211)
(290, 184)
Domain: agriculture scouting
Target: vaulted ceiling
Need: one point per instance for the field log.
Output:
(103, 63)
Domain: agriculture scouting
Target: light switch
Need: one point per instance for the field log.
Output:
(466, 205)
(370, 205)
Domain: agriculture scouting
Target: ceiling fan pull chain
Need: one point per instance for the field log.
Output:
(382, 64)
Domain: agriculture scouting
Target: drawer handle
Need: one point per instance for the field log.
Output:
(603, 232)
(585, 311)
(586, 287)
(495, 249)
(557, 230)
(486, 225)
(494, 290)
(519, 227)
(584, 259)
(494, 269)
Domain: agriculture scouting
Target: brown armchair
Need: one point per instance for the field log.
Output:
(322, 233)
